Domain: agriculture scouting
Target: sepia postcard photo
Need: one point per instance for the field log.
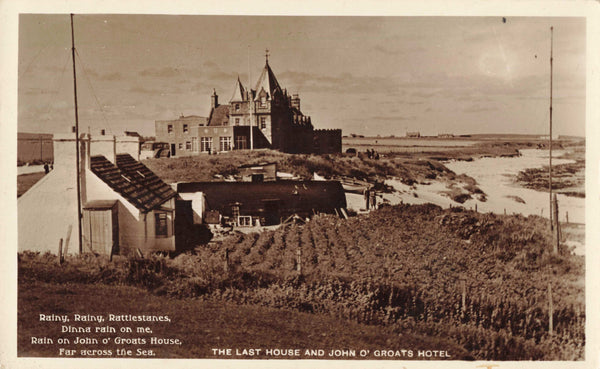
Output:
(329, 187)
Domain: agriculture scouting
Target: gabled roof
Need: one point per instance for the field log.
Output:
(267, 82)
(132, 180)
(219, 116)
(238, 92)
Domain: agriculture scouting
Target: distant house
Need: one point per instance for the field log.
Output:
(34, 147)
(125, 206)
(261, 172)
(250, 203)
(413, 134)
(445, 135)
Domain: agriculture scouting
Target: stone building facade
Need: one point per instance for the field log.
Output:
(274, 115)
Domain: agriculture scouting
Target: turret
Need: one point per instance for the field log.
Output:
(296, 101)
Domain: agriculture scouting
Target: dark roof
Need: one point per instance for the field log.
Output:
(263, 164)
(219, 116)
(292, 196)
(132, 180)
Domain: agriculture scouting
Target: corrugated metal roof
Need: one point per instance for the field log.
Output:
(132, 180)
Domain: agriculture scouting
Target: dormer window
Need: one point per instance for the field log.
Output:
(263, 101)
(237, 107)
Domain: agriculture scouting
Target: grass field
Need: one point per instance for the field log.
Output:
(202, 325)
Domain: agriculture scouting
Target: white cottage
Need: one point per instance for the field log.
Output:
(125, 206)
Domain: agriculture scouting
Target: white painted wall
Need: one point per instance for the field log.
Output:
(46, 211)
(198, 204)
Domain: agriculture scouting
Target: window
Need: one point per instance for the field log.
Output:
(185, 128)
(181, 146)
(206, 144)
(170, 129)
(244, 221)
(237, 107)
(237, 121)
(263, 122)
(161, 228)
(241, 143)
(195, 146)
(224, 143)
(263, 101)
(188, 145)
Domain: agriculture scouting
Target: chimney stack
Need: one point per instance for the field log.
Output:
(214, 99)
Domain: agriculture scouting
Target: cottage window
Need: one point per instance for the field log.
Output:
(224, 143)
(263, 122)
(206, 144)
(188, 145)
(244, 221)
(185, 128)
(160, 225)
(170, 129)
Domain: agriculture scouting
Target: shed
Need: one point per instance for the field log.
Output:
(269, 201)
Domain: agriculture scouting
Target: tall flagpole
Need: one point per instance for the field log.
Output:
(250, 103)
(76, 137)
(550, 163)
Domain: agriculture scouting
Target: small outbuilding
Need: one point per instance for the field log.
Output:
(264, 203)
(125, 207)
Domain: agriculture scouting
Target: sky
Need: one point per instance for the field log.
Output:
(365, 75)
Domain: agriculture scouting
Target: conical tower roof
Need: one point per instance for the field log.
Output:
(267, 81)
(238, 92)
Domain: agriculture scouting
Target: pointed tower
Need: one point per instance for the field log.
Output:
(267, 82)
(239, 92)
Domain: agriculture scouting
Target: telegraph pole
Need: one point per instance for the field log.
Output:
(250, 103)
(76, 137)
(550, 164)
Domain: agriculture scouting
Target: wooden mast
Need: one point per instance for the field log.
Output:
(250, 103)
(76, 137)
(550, 159)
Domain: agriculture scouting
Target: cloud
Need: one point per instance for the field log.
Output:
(478, 108)
(160, 72)
(145, 90)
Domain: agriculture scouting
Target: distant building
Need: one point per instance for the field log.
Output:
(445, 135)
(34, 148)
(274, 115)
(413, 134)
(262, 172)
(181, 134)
